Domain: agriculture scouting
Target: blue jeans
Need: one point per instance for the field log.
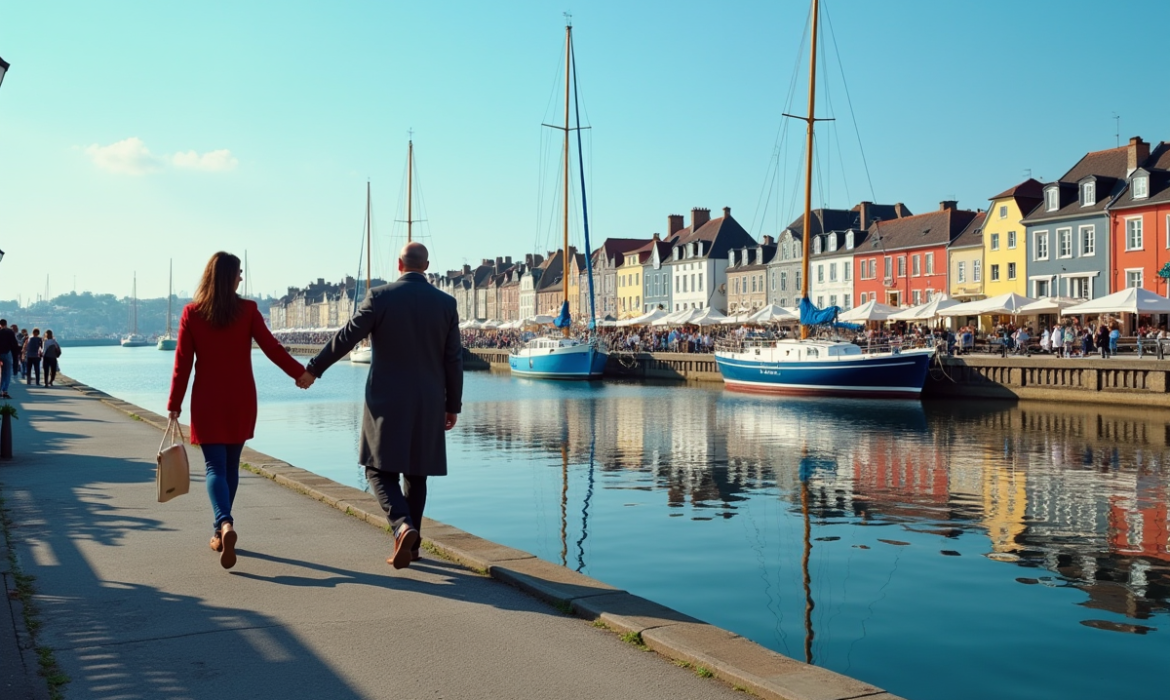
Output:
(5, 372)
(223, 478)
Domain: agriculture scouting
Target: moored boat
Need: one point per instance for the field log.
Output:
(558, 358)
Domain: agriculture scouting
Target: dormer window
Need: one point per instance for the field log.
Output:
(678, 253)
(833, 243)
(849, 241)
(817, 245)
(1051, 199)
(1088, 194)
(1141, 187)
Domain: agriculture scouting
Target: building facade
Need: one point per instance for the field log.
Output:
(1005, 250)
(1140, 224)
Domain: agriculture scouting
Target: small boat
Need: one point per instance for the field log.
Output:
(816, 366)
(168, 342)
(565, 357)
(363, 354)
(133, 340)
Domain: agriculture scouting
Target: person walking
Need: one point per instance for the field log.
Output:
(18, 356)
(413, 395)
(9, 353)
(216, 331)
(51, 352)
(32, 356)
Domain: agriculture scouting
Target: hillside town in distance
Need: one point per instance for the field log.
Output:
(1102, 227)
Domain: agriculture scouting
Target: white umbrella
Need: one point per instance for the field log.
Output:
(1133, 300)
(644, 319)
(538, 320)
(466, 324)
(871, 310)
(490, 324)
(927, 311)
(1009, 303)
(678, 318)
(772, 314)
(1048, 305)
(709, 316)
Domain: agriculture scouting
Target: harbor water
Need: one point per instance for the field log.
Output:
(940, 551)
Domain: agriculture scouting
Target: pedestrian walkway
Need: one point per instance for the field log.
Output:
(135, 605)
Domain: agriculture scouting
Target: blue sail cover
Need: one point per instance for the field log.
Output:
(564, 320)
(810, 315)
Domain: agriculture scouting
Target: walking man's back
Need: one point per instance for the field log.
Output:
(413, 393)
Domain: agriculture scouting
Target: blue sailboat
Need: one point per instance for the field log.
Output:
(813, 366)
(565, 357)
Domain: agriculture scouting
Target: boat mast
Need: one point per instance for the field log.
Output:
(565, 249)
(170, 294)
(368, 277)
(409, 187)
(810, 120)
(134, 306)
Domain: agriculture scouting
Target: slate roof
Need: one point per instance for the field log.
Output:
(931, 229)
(553, 272)
(1158, 168)
(717, 236)
(841, 219)
(1107, 166)
(972, 235)
(769, 250)
(1030, 188)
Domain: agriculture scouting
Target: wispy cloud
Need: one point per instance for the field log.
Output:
(132, 157)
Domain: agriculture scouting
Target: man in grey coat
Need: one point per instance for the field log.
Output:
(413, 394)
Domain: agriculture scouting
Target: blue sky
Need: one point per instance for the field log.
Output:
(136, 132)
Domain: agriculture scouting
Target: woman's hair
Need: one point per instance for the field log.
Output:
(49, 334)
(216, 299)
(36, 331)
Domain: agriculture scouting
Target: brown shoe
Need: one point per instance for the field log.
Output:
(404, 542)
(216, 543)
(415, 555)
(227, 558)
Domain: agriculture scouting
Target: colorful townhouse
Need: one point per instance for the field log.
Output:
(656, 292)
(606, 261)
(965, 266)
(785, 269)
(904, 261)
(831, 267)
(1068, 232)
(1140, 222)
(698, 260)
(747, 277)
(629, 282)
(1005, 252)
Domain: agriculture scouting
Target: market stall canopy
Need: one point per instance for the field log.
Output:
(1133, 300)
(1048, 305)
(925, 312)
(773, 314)
(679, 318)
(1009, 303)
(709, 316)
(643, 320)
(538, 320)
(871, 310)
(490, 324)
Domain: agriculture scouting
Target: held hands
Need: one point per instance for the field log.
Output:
(306, 380)
(450, 420)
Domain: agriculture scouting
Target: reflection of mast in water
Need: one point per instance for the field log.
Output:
(808, 599)
(588, 491)
(564, 503)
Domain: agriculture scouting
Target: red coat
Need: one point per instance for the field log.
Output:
(223, 400)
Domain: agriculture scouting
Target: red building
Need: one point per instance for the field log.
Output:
(1139, 221)
(904, 261)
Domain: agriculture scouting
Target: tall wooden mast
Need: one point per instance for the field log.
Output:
(409, 188)
(810, 120)
(565, 248)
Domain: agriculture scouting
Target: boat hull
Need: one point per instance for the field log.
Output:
(885, 375)
(576, 362)
(167, 343)
(361, 356)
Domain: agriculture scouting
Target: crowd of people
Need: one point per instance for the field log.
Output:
(24, 354)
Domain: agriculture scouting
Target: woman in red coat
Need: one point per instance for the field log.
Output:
(215, 334)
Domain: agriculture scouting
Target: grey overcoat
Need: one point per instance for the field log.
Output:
(415, 378)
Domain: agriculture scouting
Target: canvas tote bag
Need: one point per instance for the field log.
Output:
(173, 476)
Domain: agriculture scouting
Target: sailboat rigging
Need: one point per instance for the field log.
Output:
(566, 357)
(815, 366)
(134, 340)
(364, 353)
(168, 342)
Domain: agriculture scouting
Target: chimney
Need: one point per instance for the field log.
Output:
(901, 210)
(657, 237)
(320, 281)
(467, 269)
(726, 212)
(863, 213)
(699, 217)
(486, 262)
(508, 260)
(1136, 153)
(768, 240)
(499, 262)
(674, 224)
(947, 204)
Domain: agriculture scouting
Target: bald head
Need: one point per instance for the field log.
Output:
(413, 258)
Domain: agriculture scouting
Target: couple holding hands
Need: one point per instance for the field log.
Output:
(413, 394)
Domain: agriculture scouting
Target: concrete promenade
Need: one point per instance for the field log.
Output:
(134, 604)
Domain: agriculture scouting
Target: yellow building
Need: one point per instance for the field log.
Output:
(629, 283)
(965, 260)
(1005, 247)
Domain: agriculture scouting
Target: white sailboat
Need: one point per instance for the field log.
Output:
(133, 340)
(565, 357)
(810, 365)
(363, 354)
(168, 342)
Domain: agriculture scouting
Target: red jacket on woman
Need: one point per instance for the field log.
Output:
(223, 400)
